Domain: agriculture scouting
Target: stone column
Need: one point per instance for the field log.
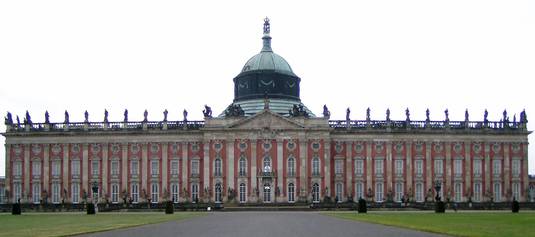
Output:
(46, 165)
(230, 165)
(164, 168)
(303, 173)
(389, 172)
(8, 171)
(206, 162)
(124, 168)
(467, 169)
(27, 170)
(66, 171)
(408, 165)
(349, 170)
(185, 166)
(85, 170)
(428, 163)
(105, 168)
(253, 166)
(448, 175)
(525, 173)
(369, 163)
(327, 165)
(507, 170)
(488, 177)
(143, 169)
(279, 164)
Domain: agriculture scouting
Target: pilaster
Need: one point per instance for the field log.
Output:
(428, 164)
(8, 171)
(389, 173)
(448, 184)
(303, 174)
(46, 167)
(369, 162)
(105, 172)
(164, 169)
(279, 164)
(124, 167)
(408, 165)
(85, 168)
(253, 143)
(185, 166)
(488, 177)
(525, 173)
(506, 169)
(327, 165)
(66, 171)
(27, 170)
(230, 165)
(144, 170)
(206, 165)
(468, 169)
(348, 170)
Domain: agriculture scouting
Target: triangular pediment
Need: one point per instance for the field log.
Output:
(266, 119)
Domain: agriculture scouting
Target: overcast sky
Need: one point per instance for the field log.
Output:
(175, 55)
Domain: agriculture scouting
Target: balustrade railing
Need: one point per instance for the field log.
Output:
(97, 126)
(432, 125)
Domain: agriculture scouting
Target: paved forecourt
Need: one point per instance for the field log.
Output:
(268, 224)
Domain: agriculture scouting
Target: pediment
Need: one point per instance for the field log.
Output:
(266, 119)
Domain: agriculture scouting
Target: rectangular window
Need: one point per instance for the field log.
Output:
(2, 195)
(154, 167)
(36, 193)
(175, 192)
(458, 190)
(458, 167)
(55, 192)
(497, 192)
(378, 192)
(419, 167)
(339, 166)
(154, 193)
(399, 192)
(195, 167)
(135, 193)
(114, 193)
(516, 191)
(419, 192)
(359, 167)
(359, 190)
(17, 195)
(134, 167)
(477, 167)
(379, 167)
(438, 167)
(174, 167)
(516, 167)
(17, 168)
(477, 192)
(194, 193)
(75, 192)
(497, 167)
(75, 167)
(115, 167)
(399, 167)
(36, 168)
(95, 168)
(56, 168)
(291, 192)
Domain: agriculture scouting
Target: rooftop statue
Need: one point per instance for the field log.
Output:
(514, 120)
(234, 110)
(504, 115)
(466, 115)
(267, 27)
(165, 115)
(86, 115)
(348, 112)
(105, 115)
(28, 118)
(185, 114)
(485, 116)
(368, 114)
(18, 121)
(66, 116)
(9, 119)
(298, 110)
(125, 115)
(408, 114)
(447, 113)
(326, 112)
(388, 114)
(207, 111)
(145, 115)
(47, 117)
(427, 115)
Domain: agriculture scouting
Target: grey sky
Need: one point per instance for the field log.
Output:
(175, 55)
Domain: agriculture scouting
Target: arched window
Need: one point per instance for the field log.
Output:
(339, 189)
(243, 166)
(243, 193)
(315, 192)
(267, 192)
(217, 167)
(291, 167)
(218, 192)
(315, 166)
(291, 192)
(267, 164)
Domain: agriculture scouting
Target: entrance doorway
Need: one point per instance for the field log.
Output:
(267, 192)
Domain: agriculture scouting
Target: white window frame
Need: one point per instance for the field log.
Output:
(398, 191)
(242, 166)
(114, 193)
(154, 167)
(379, 190)
(478, 167)
(36, 193)
(291, 192)
(56, 168)
(359, 167)
(195, 167)
(516, 190)
(458, 192)
(439, 167)
(419, 195)
(134, 167)
(17, 168)
(497, 188)
(218, 167)
(194, 192)
(516, 170)
(497, 167)
(154, 192)
(458, 167)
(17, 192)
(378, 166)
(135, 192)
(419, 163)
(218, 191)
(291, 166)
(359, 190)
(243, 193)
(75, 192)
(115, 167)
(75, 167)
(339, 191)
(478, 191)
(315, 166)
(95, 167)
(56, 192)
(175, 192)
(175, 167)
(339, 166)
(315, 193)
(36, 168)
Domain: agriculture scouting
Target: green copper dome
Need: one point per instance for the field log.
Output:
(269, 61)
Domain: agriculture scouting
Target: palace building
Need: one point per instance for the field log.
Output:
(266, 147)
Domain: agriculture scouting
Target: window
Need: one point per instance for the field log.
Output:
(267, 164)
(315, 166)
(36, 192)
(115, 167)
(243, 193)
(94, 167)
(194, 193)
(516, 167)
(339, 189)
(56, 168)
(378, 167)
(497, 192)
(195, 167)
(242, 167)
(419, 167)
(174, 167)
(291, 192)
(17, 168)
(378, 192)
(399, 167)
(154, 192)
(399, 191)
(114, 193)
(75, 169)
(134, 167)
(458, 190)
(175, 192)
(339, 166)
(477, 167)
(75, 192)
(55, 192)
(497, 167)
(291, 167)
(36, 168)
(135, 192)
(154, 167)
(458, 167)
(359, 190)
(316, 193)
(267, 192)
(2, 195)
(217, 192)
(217, 167)
(359, 167)
(477, 192)
(438, 167)
(516, 191)
(17, 192)
(419, 192)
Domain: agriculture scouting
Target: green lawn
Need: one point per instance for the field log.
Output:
(61, 224)
(457, 224)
